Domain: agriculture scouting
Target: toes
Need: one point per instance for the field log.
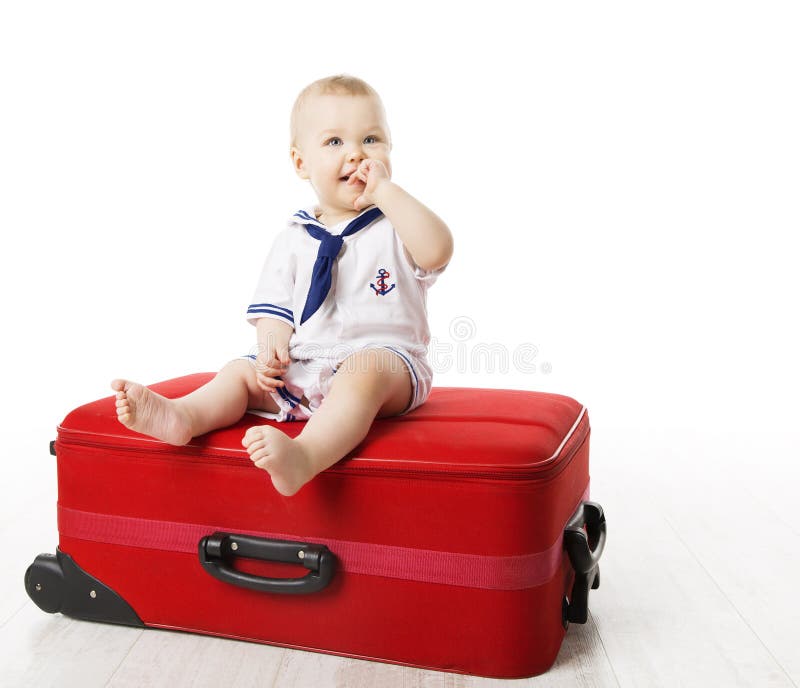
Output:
(260, 455)
(253, 434)
(255, 446)
(123, 408)
(263, 462)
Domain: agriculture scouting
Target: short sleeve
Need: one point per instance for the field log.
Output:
(427, 277)
(273, 294)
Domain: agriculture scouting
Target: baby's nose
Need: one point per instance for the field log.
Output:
(356, 153)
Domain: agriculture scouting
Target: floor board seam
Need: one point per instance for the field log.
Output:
(277, 673)
(122, 661)
(13, 614)
(605, 652)
(765, 504)
(730, 602)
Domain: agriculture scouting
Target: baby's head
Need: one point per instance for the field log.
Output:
(336, 123)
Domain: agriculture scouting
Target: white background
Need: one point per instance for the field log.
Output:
(621, 180)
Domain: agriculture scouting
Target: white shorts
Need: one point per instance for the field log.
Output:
(313, 378)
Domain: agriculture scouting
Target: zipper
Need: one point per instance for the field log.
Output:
(67, 438)
(354, 466)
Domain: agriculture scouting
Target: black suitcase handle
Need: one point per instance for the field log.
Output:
(218, 550)
(584, 548)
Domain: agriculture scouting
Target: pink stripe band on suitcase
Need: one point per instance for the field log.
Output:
(429, 566)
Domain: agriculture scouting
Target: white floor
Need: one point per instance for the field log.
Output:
(699, 584)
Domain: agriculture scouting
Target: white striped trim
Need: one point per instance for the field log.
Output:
(569, 434)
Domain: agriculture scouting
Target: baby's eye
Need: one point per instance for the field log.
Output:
(336, 138)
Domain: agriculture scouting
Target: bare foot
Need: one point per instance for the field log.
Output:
(142, 410)
(279, 455)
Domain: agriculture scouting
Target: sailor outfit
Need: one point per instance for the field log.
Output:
(344, 288)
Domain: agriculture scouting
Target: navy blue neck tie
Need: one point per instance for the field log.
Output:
(329, 247)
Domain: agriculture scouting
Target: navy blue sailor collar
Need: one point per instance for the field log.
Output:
(330, 244)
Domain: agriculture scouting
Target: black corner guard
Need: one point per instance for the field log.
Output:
(218, 551)
(57, 584)
(584, 540)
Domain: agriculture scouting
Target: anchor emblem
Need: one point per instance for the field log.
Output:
(382, 289)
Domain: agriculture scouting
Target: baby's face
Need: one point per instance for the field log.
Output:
(335, 133)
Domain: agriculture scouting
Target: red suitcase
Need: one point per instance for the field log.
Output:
(449, 539)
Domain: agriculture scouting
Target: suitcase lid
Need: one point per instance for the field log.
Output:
(464, 431)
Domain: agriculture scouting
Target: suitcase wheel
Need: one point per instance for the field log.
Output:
(57, 584)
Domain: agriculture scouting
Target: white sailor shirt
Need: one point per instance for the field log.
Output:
(378, 293)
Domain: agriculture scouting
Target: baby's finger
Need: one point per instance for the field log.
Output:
(261, 366)
(269, 384)
(273, 367)
(273, 372)
(266, 388)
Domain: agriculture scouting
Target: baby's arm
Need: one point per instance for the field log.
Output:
(273, 346)
(424, 234)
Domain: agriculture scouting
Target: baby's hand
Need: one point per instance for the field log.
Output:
(269, 363)
(371, 173)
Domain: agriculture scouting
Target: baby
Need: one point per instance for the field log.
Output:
(339, 310)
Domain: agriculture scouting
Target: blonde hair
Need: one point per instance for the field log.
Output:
(338, 84)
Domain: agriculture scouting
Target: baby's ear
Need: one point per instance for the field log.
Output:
(297, 163)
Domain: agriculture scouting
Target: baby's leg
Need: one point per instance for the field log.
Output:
(220, 402)
(368, 383)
